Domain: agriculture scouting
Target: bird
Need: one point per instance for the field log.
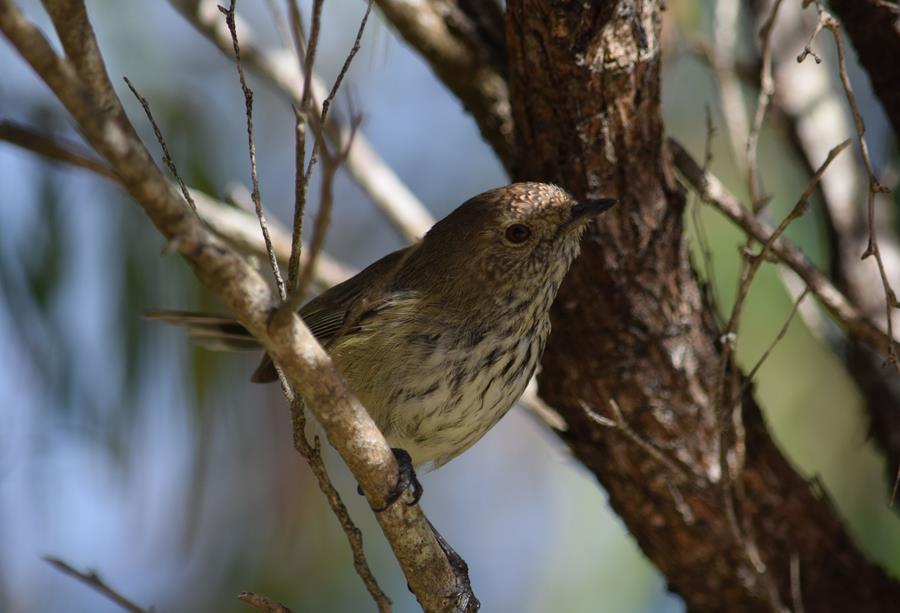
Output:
(438, 340)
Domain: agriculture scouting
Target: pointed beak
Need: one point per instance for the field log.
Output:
(588, 209)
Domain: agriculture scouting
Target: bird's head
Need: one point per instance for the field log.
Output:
(523, 235)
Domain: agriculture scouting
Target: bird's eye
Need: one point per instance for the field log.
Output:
(518, 233)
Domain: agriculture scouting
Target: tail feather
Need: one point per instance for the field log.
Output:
(218, 333)
(211, 331)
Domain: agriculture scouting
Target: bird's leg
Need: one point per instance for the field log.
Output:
(406, 480)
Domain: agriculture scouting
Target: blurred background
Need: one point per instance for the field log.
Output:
(126, 450)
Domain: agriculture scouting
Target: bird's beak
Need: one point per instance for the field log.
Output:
(588, 209)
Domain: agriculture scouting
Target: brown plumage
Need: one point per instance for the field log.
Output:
(439, 339)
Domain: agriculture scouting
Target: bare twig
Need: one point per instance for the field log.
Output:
(890, 298)
(262, 603)
(306, 53)
(766, 90)
(167, 158)
(683, 472)
(437, 585)
(248, 103)
(462, 62)
(318, 119)
(239, 228)
(721, 58)
(777, 339)
(756, 261)
(93, 580)
(300, 191)
(298, 286)
(838, 306)
(366, 167)
(53, 147)
(729, 336)
(312, 453)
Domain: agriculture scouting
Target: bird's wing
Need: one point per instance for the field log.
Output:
(327, 313)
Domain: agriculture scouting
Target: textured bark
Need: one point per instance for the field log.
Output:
(874, 29)
(630, 325)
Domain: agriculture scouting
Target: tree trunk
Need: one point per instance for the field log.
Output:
(630, 326)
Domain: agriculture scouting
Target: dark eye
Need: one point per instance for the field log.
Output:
(518, 233)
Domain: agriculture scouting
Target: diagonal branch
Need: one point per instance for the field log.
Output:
(841, 309)
(874, 29)
(363, 163)
(237, 226)
(813, 116)
(463, 59)
(250, 299)
(93, 580)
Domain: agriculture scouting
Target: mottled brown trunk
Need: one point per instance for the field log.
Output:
(630, 324)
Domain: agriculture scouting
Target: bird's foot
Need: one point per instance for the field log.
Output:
(406, 480)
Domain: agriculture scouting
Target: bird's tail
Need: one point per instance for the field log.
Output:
(218, 333)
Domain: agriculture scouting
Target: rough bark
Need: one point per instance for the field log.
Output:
(630, 325)
(874, 29)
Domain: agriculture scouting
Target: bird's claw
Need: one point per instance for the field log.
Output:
(406, 480)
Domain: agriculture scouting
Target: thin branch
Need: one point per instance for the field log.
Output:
(309, 58)
(402, 209)
(766, 90)
(306, 53)
(714, 193)
(300, 191)
(53, 147)
(684, 472)
(93, 581)
(890, 298)
(312, 453)
(248, 103)
(721, 58)
(777, 339)
(437, 585)
(262, 603)
(167, 158)
(462, 62)
(317, 120)
(727, 405)
(322, 118)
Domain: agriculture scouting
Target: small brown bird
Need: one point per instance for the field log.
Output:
(438, 340)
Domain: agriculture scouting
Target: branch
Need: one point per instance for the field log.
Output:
(251, 145)
(235, 225)
(828, 22)
(363, 163)
(53, 147)
(714, 193)
(249, 298)
(873, 28)
(93, 581)
(262, 603)
(463, 60)
(813, 116)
